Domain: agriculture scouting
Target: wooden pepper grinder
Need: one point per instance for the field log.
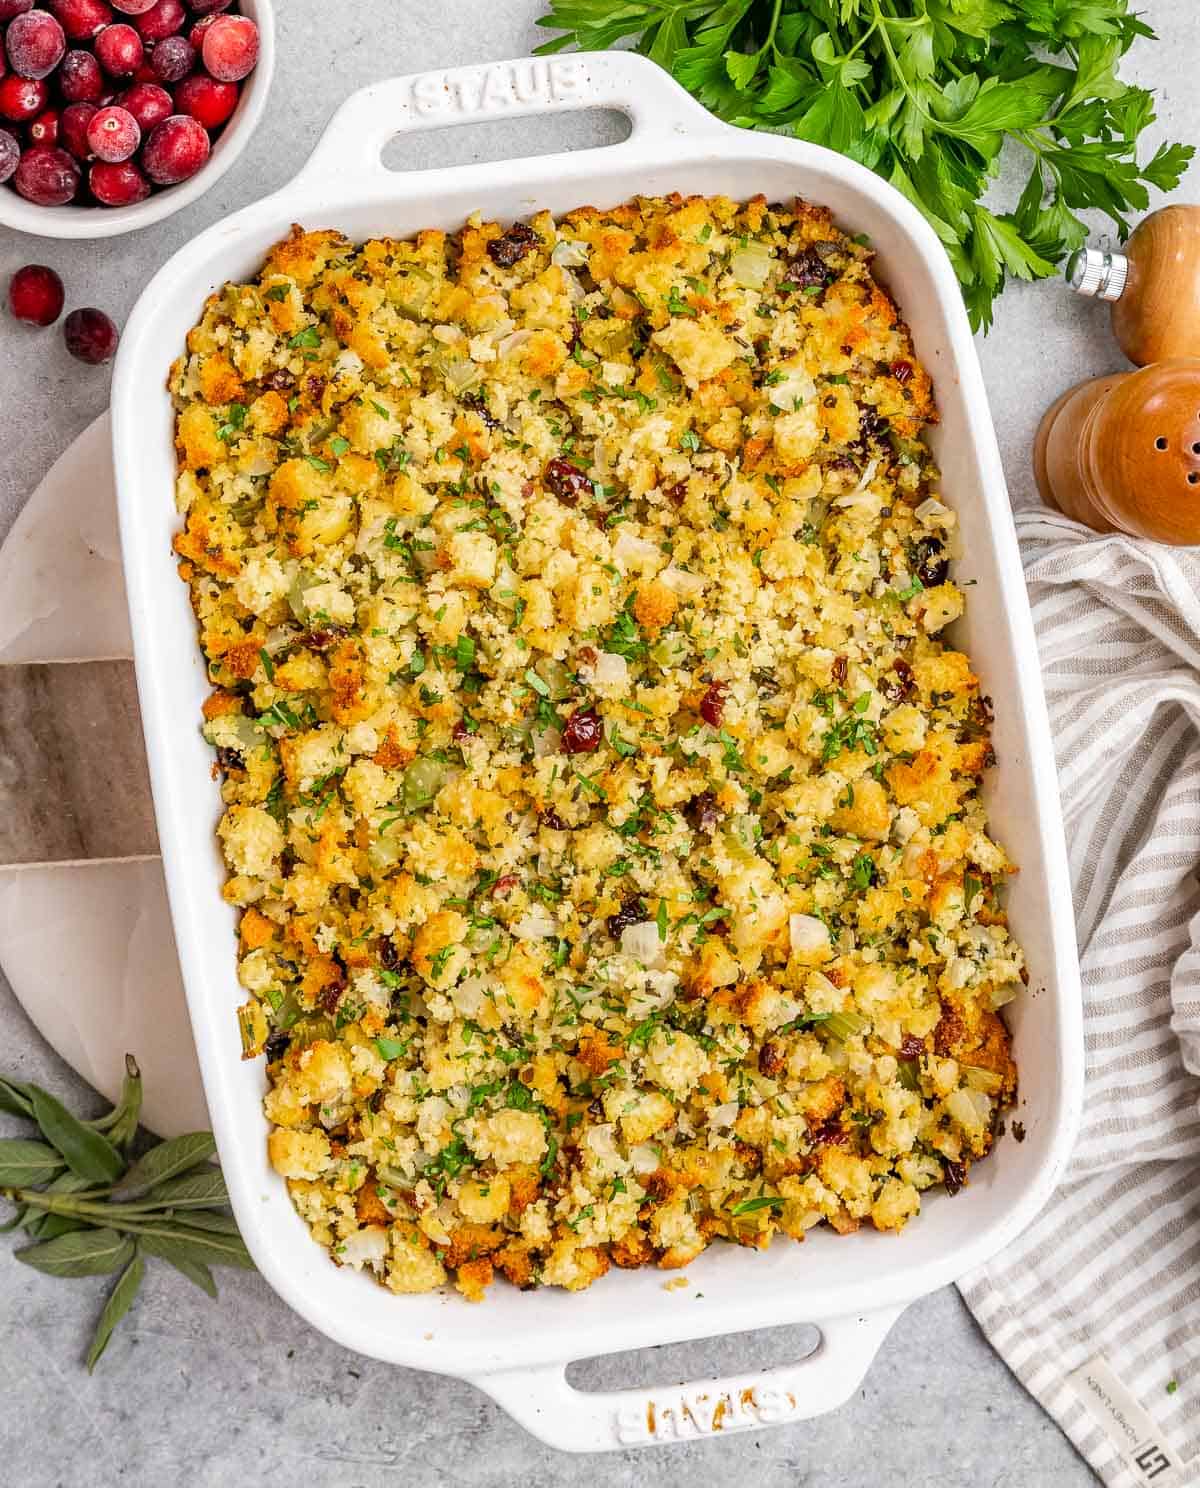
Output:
(1122, 453)
(1154, 285)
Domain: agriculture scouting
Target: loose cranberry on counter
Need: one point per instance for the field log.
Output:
(73, 128)
(80, 79)
(44, 129)
(81, 19)
(176, 149)
(47, 176)
(21, 98)
(118, 183)
(172, 59)
(230, 48)
(148, 103)
(712, 704)
(11, 8)
(582, 732)
(90, 336)
(207, 100)
(119, 50)
(164, 18)
(10, 154)
(113, 134)
(35, 44)
(35, 295)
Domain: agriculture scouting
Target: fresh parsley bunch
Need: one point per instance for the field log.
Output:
(926, 93)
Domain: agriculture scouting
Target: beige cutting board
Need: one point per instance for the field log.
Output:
(87, 945)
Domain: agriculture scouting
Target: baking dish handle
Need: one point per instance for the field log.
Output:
(543, 1401)
(353, 142)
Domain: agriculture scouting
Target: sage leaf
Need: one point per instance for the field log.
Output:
(211, 1219)
(120, 1300)
(167, 1160)
(85, 1150)
(15, 1098)
(207, 1246)
(16, 1221)
(49, 1226)
(23, 1164)
(84, 1253)
(191, 1191)
(195, 1271)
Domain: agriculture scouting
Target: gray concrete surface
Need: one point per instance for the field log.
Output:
(244, 1393)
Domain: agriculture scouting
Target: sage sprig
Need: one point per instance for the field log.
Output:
(93, 1210)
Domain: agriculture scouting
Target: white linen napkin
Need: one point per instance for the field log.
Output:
(1096, 1308)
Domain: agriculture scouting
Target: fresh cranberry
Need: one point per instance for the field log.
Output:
(73, 128)
(80, 79)
(144, 73)
(148, 103)
(11, 8)
(10, 154)
(113, 134)
(90, 336)
(21, 98)
(132, 7)
(582, 732)
(230, 48)
(81, 19)
(198, 32)
(164, 18)
(567, 481)
(172, 59)
(44, 129)
(176, 149)
(712, 704)
(35, 294)
(207, 100)
(206, 7)
(119, 50)
(35, 44)
(117, 183)
(47, 176)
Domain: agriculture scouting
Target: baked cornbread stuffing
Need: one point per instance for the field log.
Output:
(601, 801)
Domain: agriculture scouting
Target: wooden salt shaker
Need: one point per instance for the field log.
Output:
(1154, 285)
(1122, 453)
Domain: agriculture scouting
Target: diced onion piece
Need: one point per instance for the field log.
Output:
(970, 1108)
(644, 1158)
(807, 933)
(725, 1115)
(982, 1079)
(535, 924)
(750, 265)
(461, 375)
(933, 513)
(636, 552)
(568, 254)
(611, 668)
(509, 344)
(642, 942)
(1004, 993)
(679, 581)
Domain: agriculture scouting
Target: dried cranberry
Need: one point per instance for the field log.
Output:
(897, 688)
(229, 759)
(712, 704)
(315, 387)
(566, 481)
(476, 402)
(277, 1045)
(870, 425)
(677, 493)
(331, 994)
(771, 1059)
(932, 565)
(279, 381)
(838, 671)
(505, 884)
(911, 1048)
(831, 1133)
(632, 912)
(582, 732)
(551, 819)
(955, 1175)
(389, 956)
(808, 270)
(705, 811)
(902, 371)
(325, 636)
(511, 247)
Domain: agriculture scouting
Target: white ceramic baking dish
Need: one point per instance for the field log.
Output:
(516, 1345)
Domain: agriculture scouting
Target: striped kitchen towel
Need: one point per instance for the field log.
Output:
(1096, 1308)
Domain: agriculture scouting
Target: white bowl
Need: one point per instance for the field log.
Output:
(108, 222)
